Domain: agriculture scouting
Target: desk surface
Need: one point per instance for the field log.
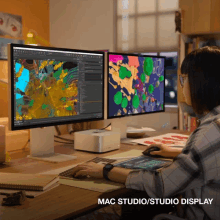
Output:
(64, 201)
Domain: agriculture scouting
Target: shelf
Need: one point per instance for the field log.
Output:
(215, 35)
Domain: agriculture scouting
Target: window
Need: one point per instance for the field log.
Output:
(170, 77)
(146, 25)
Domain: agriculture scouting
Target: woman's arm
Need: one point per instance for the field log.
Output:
(92, 169)
(118, 174)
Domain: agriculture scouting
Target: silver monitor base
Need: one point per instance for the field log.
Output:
(42, 146)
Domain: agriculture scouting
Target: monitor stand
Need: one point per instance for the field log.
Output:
(42, 146)
(120, 125)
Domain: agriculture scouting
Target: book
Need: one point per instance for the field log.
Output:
(189, 123)
(198, 39)
(194, 123)
(185, 121)
(189, 48)
(29, 194)
(194, 44)
(33, 182)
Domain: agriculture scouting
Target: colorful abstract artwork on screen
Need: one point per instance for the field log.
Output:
(136, 85)
(45, 88)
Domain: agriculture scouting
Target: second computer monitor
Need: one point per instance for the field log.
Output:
(135, 84)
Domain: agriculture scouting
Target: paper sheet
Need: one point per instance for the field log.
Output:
(127, 154)
(170, 139)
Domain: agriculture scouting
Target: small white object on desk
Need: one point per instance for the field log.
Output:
(139, 130)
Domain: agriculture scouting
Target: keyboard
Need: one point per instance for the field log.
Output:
(98, 160)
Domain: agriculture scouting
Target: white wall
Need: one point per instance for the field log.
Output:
(82, 24)
(89, 25)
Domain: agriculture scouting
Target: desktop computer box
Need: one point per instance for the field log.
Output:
(96, 141)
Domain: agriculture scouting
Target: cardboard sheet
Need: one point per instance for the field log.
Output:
(126, 155)
(98, 185)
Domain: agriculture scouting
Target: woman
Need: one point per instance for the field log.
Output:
(195, 172)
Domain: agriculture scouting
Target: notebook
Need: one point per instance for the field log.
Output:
(35, 182)
(29, 194)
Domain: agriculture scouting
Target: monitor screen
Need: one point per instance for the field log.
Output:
(135, 84)
(52, 86)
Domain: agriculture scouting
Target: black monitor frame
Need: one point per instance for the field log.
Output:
(138, 114)
(11, 100)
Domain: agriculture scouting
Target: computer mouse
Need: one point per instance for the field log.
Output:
(149, 150)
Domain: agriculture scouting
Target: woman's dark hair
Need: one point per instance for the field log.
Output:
(203, 69)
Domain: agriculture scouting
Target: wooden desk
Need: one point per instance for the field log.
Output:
(64, 201)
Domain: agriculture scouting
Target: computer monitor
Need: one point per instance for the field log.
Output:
(53, 86)
(135, 85)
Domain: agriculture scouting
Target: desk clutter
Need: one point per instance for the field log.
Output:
(14, 199)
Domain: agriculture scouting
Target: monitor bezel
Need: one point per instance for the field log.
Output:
(11, 100)
(137, 114)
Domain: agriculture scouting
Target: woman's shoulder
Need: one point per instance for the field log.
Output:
(207, 134)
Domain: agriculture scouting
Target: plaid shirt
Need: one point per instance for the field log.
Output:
(195, 173)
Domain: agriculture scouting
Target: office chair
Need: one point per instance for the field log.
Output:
(167, 217)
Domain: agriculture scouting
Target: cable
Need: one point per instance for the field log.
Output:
(58, 130)
(71, 132)
(105, 127)
(24, 147)
(63, 142)
(70, 128)
(65, 139)
(54, 141)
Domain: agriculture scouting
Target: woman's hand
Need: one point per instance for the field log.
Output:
(166, 151)
(89, 169)
(117, 174)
